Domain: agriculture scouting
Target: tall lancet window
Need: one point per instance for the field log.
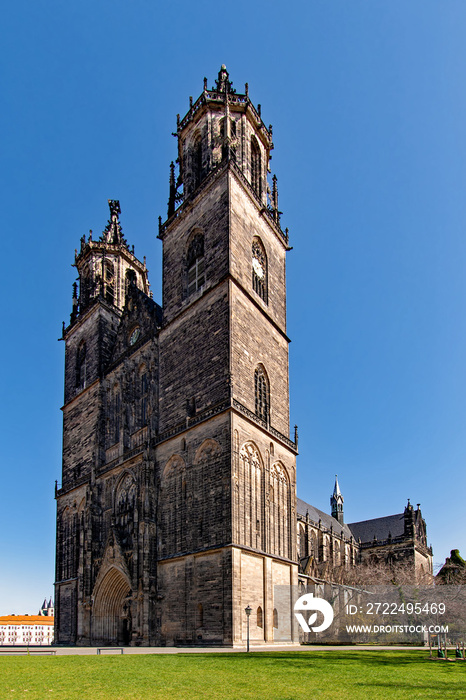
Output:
(259, 269)
(261, 388)
(256, 180)
(195, 264)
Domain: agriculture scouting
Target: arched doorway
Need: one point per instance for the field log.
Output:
(111, 618)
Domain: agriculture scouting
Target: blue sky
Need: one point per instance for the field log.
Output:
(367, 102)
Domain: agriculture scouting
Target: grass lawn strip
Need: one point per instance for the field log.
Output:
(296, 675)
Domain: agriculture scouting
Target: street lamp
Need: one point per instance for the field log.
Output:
(248, 612)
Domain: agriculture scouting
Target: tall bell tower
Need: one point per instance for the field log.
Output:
(226, 464)
(177, 504)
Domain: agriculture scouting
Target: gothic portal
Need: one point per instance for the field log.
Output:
(177, 507)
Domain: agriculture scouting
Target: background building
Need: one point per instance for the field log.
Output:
(28, 630)
(327, 546)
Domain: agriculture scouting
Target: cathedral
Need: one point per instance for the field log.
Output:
(177, 506)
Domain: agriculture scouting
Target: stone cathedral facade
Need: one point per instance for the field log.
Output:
(177, 506)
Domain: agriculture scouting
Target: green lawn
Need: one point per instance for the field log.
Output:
(294, 675)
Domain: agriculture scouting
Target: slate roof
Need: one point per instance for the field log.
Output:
(378, 527)
(26, 619)
(327, 520)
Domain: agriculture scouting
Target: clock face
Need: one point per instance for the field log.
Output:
(257, 267)
(134, 336)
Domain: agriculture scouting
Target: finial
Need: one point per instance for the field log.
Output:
(144, 260)
(274, 192)
(270, 129)
(90, 234)
(115, 210)
(190, 102)
(172, 191)
(246, 89)
(223, 84)
(205, 84)
(160, 224)
(296, 435)
(259, 111)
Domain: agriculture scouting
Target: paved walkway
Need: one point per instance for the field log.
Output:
(69, 651)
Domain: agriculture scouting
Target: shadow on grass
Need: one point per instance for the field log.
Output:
(306, 658)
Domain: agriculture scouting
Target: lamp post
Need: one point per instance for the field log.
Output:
(248, 612)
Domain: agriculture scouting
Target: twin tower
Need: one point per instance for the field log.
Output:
(177, 507)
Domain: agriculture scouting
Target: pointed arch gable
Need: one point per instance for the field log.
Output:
(280, 472)
(250, 451)
(174, 464)
(124, 479)
(209, 449)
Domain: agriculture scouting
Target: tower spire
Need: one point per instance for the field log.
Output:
(336, 502)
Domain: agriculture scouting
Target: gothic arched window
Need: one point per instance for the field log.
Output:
(256, 180)
(130, 279)
(195, 264)
(259, 269)
(109, 277)
(259, 617)
(261, 390)
(81, 366)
